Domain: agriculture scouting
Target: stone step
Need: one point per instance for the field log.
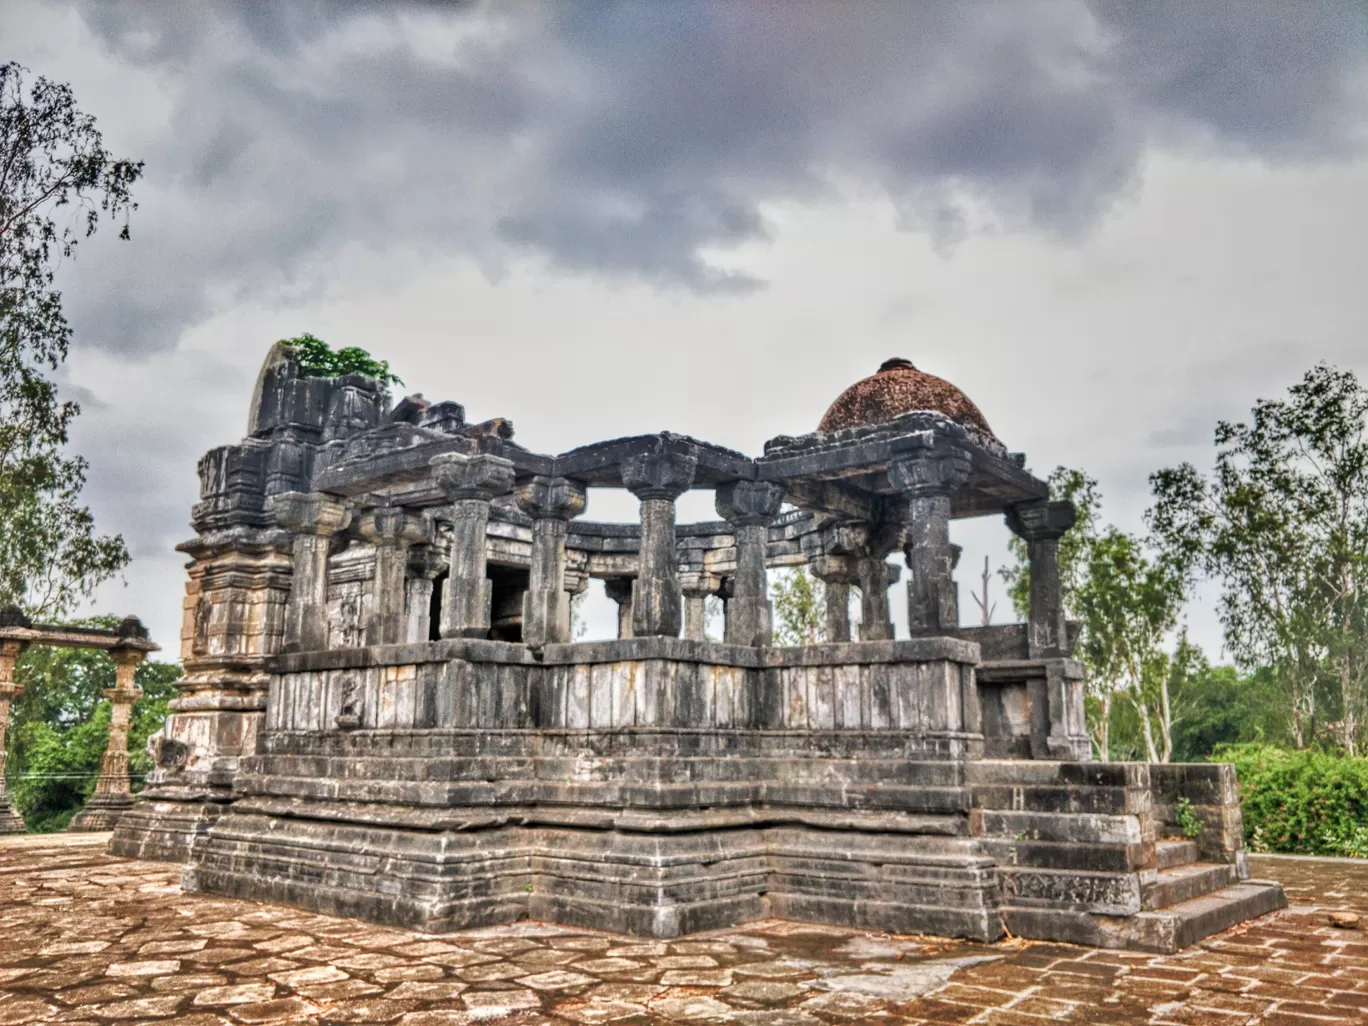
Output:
(1171, 854)
(1089, 828)
(1164, 931)
(1183, 883)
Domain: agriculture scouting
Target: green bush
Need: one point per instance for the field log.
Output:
(1303, 803)
(319, 359)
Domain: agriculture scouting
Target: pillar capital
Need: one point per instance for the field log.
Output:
(659, 474)
(1041, 520)
(832, 568)
(845, 539)
(699, 583)
(749, 503)
(426, 560)
(393, 526)
(929, 473)
(314, 513)
(479, 477)
(550, 498)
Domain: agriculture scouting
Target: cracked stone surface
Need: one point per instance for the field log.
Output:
(88, 938)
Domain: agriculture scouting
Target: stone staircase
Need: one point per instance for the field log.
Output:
(1079, 850)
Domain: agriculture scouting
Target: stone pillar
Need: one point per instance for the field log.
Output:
(926, 484)
(620, 590)
(10, 651)
(749, 507)
(392, 531)
(551, 502)
(425, 562)
(697, 585)
(471, 482)
(657, 479)
(113, 790)
(312, 519)
(837, 573)
(1041, 525)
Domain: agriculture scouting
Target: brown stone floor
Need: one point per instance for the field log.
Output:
(88, 938)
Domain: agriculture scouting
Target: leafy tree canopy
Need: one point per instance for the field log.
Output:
(57, 181)
(319, 359)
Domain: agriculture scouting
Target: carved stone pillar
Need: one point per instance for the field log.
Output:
(425, 562)
(312, 519)
(392, 531)
(10, 651)
(1041, 525)
(837, 573)
(113, 791)
(471, 482)
(697, 585)
(620, 590)
(749, 507)
(551, 502)
(926, 483)
(657, 479)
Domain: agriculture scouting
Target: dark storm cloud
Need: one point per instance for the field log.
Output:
(624, 139)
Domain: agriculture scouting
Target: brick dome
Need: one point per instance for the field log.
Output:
(900, 388)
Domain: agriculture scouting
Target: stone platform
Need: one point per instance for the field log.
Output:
(89, 938)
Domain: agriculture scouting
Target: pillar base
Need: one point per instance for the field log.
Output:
(10, 820)
(101, 812)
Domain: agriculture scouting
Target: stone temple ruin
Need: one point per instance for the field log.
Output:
(384, 716)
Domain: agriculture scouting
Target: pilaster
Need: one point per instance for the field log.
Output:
(837, 573)
(551, 502)
(749, 507)
(312, 519)
(392, 531)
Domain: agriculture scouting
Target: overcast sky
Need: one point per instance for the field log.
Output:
(1111, 224)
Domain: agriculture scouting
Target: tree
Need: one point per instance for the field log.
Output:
(1282, 523)
(1129, 603)
(798, 607)
(56, 181)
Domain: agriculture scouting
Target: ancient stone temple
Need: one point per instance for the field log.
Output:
(384, 715)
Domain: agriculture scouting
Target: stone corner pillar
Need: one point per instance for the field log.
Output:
(113, 793)
(551, 502)
(697, 586)
(312, 519)
(837, 573)
(749, 507)
(620, 590)
(1040, 525)
(471, 483)
(925, 483)
(657, 478)
(393, 531)
(11, 822)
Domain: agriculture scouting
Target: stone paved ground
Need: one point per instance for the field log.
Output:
(88, 938)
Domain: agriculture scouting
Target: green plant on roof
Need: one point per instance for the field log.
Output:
(318, 359)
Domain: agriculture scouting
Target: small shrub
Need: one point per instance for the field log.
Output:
(318, 359)
(1188, 820)
(1304, 803)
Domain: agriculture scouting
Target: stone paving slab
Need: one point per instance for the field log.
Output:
(89, 938)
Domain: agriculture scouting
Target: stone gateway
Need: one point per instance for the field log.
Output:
(384, 714)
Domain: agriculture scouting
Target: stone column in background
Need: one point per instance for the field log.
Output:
(749, 507)
(926, 484)
(312, 519)
(392, 531)
(837, 573)
(697, 585)
(10, 651)
(425, 562)
(113, 790)
(551, 502)
(657, 479)
(471, 482)
(1040, 525)
(620, 590)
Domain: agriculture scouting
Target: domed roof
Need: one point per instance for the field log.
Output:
(900, 388)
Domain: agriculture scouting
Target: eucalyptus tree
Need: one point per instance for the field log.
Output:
(1282, 524)
(57, 183)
